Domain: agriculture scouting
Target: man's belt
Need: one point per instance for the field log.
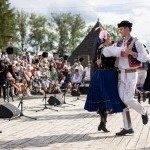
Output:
(130, 70)
(142, 68)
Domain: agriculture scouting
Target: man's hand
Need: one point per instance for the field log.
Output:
(128, 52)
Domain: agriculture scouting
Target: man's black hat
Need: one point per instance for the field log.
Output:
(124, 23)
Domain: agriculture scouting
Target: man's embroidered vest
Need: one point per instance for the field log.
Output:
(133, 62)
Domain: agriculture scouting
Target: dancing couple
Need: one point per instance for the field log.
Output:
(112, 88)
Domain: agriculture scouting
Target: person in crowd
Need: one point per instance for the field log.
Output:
(38, 72)
(80, 68)
(3, 77)
(65, 83)
(76, 79)
(73, 67)
(11, 80)
(142, 73)
(46, 84)
(53, 73)
(55, 88)
(21, 72)
(87, 73)
(22, 83)
(36, 86)
(29, 58)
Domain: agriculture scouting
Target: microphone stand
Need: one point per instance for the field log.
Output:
(45, 105)
(64, 96)
(21, 112)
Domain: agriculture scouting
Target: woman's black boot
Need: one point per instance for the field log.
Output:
(102, 125)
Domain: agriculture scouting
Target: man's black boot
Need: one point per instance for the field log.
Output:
(124, 132)
(145, 118)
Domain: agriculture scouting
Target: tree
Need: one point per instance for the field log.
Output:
(77, 25)
(62, 29)
(7, 23)
(89, 28)
(70, 30)
(114, 32)
(37, 30)
(22, 25)
(51, 39)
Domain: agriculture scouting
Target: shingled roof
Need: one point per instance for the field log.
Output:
(87, 46)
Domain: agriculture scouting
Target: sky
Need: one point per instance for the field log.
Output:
(108, 12)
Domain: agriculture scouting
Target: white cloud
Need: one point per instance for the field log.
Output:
(108, 11)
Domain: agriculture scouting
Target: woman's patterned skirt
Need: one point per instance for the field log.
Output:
(103, 92)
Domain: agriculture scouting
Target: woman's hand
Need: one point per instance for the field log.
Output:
(98, 62)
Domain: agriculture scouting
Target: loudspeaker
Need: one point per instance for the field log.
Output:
(55, 100)
(75, 93)
(10, 50)
(8, 110)
(84, 88)
(65, 57)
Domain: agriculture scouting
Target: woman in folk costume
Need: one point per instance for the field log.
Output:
(103, 91)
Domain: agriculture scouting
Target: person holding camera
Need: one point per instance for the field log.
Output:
(3, 77)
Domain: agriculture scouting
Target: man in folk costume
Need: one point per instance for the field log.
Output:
(129, 59)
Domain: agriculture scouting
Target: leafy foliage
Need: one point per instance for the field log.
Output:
(37, 30)
(70, 30)
(22, 26)
(114, 32)
(7, 23)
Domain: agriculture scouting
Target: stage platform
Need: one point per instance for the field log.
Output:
(71, 128)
